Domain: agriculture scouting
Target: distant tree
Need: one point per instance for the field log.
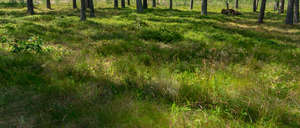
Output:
(115, 3)
(192, 4)
(282, 6)
(92, 12)
(128, 2)
(139, 6)
(171, 4)
(123, 3)
(204, 7)
(145, 4)
(296, 11)
(48, 4)
(290, 13)
(262, 11)
(87, 4)
(153, 3)
(236, 3)
(30, 7)
(254, 6)
(276, 6)
(227, 4)
(74, 4)
(82, 10)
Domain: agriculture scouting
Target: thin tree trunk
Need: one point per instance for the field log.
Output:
(276, 7)
(92, 12)
(290, 13)
(171, 4)
(192, 4)
(262, 11)
(139, 6)
(296, 11)
(227, 4)
(74, 4)
(30, 7)
(145, 4)
(153, 3)
(48, 4)
(236, 3)
(282, 6)
(204, 7)
(123, 3)
(82, 11)
(115, 3)
(128, 2)
(254, 6)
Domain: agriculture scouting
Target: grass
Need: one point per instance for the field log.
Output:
(160, 68)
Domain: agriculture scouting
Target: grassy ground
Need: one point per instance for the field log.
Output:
(161, 68)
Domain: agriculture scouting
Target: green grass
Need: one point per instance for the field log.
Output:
(160, 68)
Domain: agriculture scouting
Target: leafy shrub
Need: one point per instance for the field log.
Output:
(32, 45)
(162, 35)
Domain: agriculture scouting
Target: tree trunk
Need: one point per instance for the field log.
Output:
(82, 11)
(153, 3)
(262, 11)
(48, 4)
(128, 2)
(192, 4)
(236, 3)
(254, 6)
(145, 4)
(74, 4)
(115, 3)
(227, 4)
(92, 12)
(123, 3)
(139, 6)
(204, 7)
(171, 4)
(296, 11)
(282, 6)
(30, 7)
(290, 13)
(276, 6)
(87, 4)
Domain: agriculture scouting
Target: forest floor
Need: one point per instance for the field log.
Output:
(160, 68)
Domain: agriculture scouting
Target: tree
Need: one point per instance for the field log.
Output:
(290, 13)
(48, 4)
(74, 4)
(82, 10)
(204, 7)
(192, 4)
(262, 11)
(282, 6)
(123, 3)
(254, 6)
(139, 6)
(115, 3)
(276, 6)
(145, 4)
(30, 7)
(153, 3)
(236, 3)
(296, 11)
(128, 2)
(92, 12)
(87, 3)
(171, 4)
(227, 4)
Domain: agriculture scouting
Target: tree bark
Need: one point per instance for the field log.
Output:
(82, 11)
(236, 3)
(139, 6)
(74, 4)
(87, 4)
(171, 4)
(92, 12)
(290, 13)
(115, 3)
(192, 4)
(296, 11)
(204, 7)
(145, 4)
(30, 7)
(128, 2)
(153, 3)
(254, 6)
(262, 11)
(227, 4)
(48, 4)
(123, 3)
(282, 6)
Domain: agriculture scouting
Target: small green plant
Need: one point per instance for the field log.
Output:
(163, 35)
(32, 45)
